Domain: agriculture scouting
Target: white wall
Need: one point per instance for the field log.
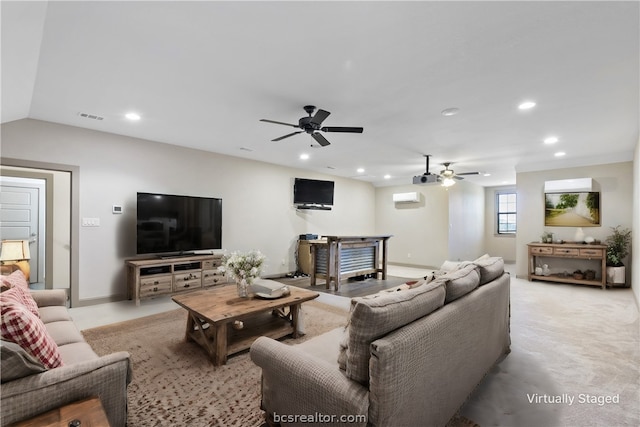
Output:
(257, 197)
(420, 230)
(635, 243)
(447, 223)
(502, 245)
(466, 221)
(616, 193)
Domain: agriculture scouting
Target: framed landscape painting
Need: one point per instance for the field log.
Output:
(572, 209)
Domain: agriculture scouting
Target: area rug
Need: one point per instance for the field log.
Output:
(175, 384)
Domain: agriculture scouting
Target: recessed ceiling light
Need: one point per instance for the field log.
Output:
(360, 170)
(387, 176)
(132, 116)
(486, 174)
(450, 111)
(526, 105)
(560, 154)
(551, 140)
(304, 156)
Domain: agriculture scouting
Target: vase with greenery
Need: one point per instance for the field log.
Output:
(618, 244)
(244, 268)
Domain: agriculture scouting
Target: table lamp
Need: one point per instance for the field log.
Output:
(16, 252)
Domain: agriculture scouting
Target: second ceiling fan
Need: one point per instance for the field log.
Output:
(313, 126)
(449, 173)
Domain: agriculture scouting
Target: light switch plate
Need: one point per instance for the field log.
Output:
(91, 222)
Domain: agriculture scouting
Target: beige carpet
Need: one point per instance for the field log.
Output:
(174, 384)
(575, 360)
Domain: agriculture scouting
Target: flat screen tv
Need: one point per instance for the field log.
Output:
(313, 192)
(173, 224)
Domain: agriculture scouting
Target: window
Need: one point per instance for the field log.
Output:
(506, 209)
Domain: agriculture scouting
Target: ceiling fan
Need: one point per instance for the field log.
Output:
(448, 175)
(312, 125)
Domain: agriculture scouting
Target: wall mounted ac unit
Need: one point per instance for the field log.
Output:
(577, 185)
(412, 197)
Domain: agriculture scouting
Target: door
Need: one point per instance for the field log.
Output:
(22, 202)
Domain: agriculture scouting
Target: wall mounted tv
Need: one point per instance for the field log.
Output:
(173, 224)
(312, 193)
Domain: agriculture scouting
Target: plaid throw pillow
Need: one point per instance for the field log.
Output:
(15, 279)
(21, 326)
(22, 296)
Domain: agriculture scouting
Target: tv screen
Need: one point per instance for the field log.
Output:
(312, 191)
(168, 223)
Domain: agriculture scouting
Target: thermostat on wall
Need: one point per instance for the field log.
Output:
(117, 209)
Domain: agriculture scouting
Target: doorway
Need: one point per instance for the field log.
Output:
(23, 217)
(59, 253)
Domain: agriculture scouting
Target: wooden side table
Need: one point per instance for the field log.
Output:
(88, 412)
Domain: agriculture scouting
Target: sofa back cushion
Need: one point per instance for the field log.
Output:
(376, 315)
(459, 282)
(490, 268)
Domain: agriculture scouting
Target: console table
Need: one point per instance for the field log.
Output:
(340, 257)
(593, 252)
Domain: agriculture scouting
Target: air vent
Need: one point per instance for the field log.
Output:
(90, 116)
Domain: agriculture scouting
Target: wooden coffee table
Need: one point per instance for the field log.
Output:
(223, 323)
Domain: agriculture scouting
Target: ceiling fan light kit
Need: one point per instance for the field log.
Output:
(313, 126)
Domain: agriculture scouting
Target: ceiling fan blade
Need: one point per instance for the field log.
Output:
(469, 173)
(319, 117)
(320, 139)
(278, 123)
(342, 129)
(286, 136)
(459, 178)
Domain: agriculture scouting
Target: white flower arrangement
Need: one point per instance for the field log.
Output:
(245, 266)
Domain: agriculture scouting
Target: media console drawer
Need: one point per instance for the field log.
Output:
(156, 285)
(213, 277)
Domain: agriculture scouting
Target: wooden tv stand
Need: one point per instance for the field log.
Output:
(147, 278)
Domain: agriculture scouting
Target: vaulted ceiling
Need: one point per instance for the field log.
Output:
(202, 75)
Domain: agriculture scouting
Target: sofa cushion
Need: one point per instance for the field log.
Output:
(490, 268)
(376, 315)
(54, 313)
(344, 345)
(22, 327)
(77, 352)
(17, 363)
(20, 295)
(64, 332)
(324, 346)
(460, 282)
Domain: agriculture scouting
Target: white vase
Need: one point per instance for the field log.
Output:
(579, 236)
(242, 287)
